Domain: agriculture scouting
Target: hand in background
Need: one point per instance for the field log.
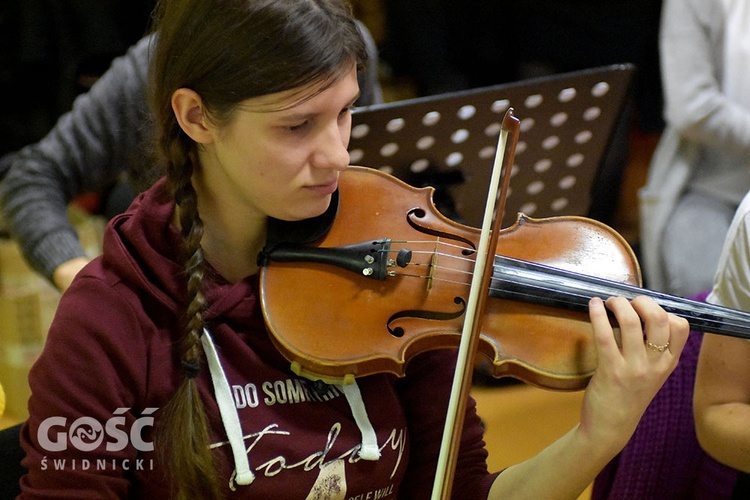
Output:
(65, 272)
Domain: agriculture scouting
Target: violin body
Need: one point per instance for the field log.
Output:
(334, 324)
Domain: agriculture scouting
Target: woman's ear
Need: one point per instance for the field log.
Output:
(188, 109)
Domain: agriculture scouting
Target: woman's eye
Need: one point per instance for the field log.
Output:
(297, 127)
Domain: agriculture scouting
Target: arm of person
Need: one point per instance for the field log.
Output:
(695, 103)
(63, 274)
(625, 382)
(721, 400)
(107, 130)
(86, 151)
(722, 392)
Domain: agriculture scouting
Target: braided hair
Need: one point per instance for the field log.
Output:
(227, 51)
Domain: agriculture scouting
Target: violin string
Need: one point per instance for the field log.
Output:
(432, 244)
(578, 287)
(435, 278)
(441, 254)
(538, 291)
(426, 277)
(541, 291)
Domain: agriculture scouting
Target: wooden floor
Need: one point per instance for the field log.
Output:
(521, 420)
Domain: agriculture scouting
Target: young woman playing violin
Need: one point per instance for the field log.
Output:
(159, 377)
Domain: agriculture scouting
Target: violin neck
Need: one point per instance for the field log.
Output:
(525, 281)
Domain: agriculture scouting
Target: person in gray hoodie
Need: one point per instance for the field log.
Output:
(99, 146)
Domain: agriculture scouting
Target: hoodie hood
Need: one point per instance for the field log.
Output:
(143, 247)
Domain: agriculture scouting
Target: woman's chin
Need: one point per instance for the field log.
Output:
(308, 212)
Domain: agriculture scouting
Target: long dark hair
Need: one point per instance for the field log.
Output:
(227, 51)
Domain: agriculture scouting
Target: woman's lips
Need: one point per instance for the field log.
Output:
(327, 188)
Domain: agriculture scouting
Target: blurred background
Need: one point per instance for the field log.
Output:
(55, 49)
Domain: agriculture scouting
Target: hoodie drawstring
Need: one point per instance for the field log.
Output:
(228, 412)
(369, 449)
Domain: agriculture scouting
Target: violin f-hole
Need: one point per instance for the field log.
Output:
(398, 331)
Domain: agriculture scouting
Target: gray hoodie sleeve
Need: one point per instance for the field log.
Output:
(86, 151)
(104, 136)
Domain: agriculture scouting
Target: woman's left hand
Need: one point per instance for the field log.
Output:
(628, 376)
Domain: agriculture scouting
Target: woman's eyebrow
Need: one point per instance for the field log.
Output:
(312, 114)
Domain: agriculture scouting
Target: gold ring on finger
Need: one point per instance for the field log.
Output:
(655, 347)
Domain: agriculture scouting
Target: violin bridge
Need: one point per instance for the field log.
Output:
(433, 264)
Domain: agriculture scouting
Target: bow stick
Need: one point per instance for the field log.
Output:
(478, 293)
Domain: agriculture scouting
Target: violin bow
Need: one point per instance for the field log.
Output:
(478, 293)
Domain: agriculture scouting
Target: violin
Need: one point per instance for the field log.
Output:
(364, 289)
(390, 277)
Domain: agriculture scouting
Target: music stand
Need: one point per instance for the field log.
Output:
(449, 141)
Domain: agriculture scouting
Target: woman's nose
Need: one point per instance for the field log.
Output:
(332, 149)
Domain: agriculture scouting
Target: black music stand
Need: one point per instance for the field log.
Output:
(449, 141)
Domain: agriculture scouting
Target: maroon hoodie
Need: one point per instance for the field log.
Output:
(111, 363)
